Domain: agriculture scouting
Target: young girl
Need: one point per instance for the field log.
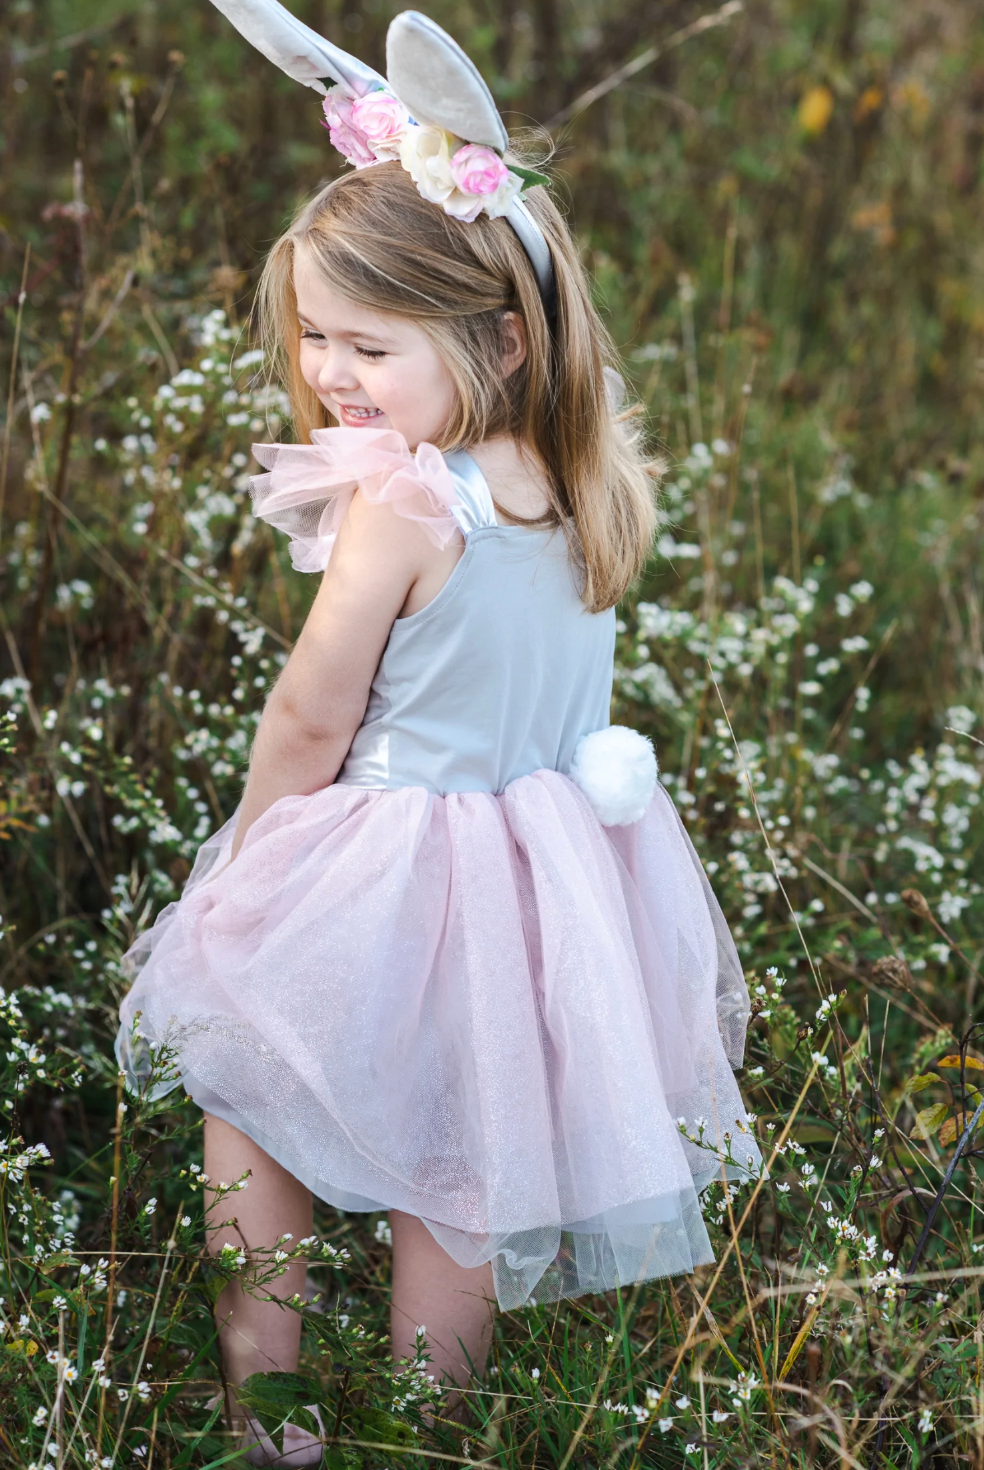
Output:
(423, 970)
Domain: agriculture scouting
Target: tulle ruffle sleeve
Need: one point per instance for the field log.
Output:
(307, 488)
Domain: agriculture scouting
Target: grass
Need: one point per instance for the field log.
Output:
(783, 218)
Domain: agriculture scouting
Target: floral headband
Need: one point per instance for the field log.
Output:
(433, 114)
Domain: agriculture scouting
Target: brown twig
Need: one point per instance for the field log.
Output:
(138, 150)
(765, 836)
(111, 311)
(68, 43)
(114, 1226)
(68, 428)
(653, 53)
(917, 904)
(934, 1207)
(845, 713)
(21, 298)
(889, 1129)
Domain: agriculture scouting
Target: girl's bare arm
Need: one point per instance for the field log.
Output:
(320, 698)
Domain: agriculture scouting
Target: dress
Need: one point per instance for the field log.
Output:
(440, 984)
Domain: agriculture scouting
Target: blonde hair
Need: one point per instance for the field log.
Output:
(379, 243)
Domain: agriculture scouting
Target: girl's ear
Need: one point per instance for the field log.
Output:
(513, 342)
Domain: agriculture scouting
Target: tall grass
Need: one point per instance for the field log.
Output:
(784, 219)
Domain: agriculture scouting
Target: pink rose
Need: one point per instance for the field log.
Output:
(477, 170)
(383, 119)
(345, 135)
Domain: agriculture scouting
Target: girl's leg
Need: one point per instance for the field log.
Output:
(454, 1303)
(256, 1336)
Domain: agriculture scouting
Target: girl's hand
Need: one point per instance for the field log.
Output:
(383, 565)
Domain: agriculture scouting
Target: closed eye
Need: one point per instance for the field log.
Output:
(371, 354)
(308, 334)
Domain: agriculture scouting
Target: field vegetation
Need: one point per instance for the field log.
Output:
(783, 213)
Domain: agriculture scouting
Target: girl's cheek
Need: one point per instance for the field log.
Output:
(382, 389)
(309, 367)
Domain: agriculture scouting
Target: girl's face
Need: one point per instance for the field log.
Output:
(371, 370)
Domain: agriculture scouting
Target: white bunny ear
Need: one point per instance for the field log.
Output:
(295, 48)
(434, 78)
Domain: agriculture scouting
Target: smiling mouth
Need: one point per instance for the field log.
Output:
(351, 412)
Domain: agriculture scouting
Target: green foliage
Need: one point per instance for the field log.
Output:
(783, 219)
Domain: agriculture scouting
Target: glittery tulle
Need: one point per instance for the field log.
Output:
(485, 1010)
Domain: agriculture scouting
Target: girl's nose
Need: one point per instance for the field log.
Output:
(335, 374)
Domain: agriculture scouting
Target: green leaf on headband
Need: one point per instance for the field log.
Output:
(529, 176)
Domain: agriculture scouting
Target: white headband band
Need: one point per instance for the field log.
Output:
(433, 113)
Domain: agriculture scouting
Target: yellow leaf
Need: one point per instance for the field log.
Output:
(953, 1128)
(924, 1079)
(928, 1120)
(971, 1063)
(816, 106)
(948, 1133)
(869, 101)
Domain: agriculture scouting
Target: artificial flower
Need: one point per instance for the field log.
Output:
(345, 135)
(382, 119)
(478, 170)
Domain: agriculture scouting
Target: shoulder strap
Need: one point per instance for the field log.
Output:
(475, 506)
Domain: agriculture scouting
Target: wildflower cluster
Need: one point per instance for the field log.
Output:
(802, 651)
(33, 1037)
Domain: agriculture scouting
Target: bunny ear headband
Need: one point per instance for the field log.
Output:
(433, 114)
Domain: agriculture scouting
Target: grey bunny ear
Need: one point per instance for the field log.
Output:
(295, 48)
(615, 389)
(437, 82)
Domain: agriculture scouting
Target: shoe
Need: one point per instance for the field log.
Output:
(301, 1448)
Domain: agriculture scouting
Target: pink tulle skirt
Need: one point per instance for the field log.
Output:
(486, 1010)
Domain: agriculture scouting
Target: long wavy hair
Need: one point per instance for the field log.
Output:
(379, 243)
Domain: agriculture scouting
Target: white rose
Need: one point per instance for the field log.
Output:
(426, 157)
(498, 203)
(425, 153)
(463, 206)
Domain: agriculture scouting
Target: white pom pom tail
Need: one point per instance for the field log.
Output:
(617, 771)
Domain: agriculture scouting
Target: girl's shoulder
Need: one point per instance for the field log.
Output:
(307, 488)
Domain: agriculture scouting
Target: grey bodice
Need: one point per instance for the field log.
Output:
(500, 675)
